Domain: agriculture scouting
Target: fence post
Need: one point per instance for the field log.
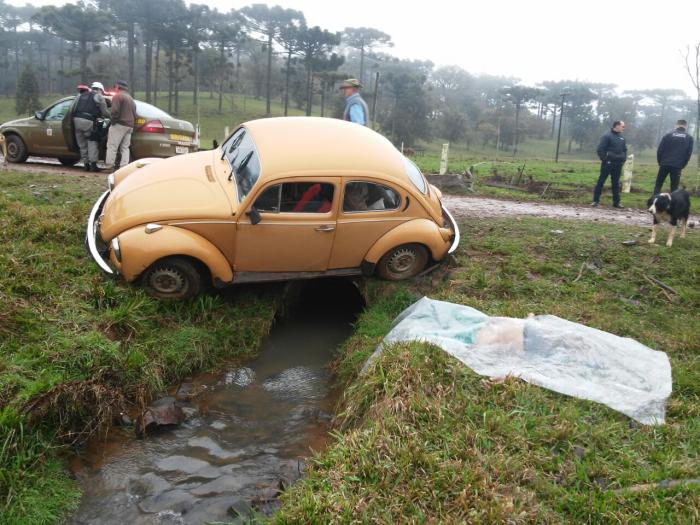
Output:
(628, 171)
(443, 158)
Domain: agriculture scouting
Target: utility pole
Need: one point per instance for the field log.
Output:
(561, 116)
(374, 98)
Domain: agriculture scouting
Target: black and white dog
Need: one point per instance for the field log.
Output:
(672, 208)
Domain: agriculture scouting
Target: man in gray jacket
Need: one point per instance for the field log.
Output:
(121, 127)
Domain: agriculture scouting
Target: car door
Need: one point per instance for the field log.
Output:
(47, 135)
(369, 208)
(296, 228)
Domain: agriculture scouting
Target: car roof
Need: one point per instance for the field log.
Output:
(296, 146)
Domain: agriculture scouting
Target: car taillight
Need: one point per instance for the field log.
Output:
(152, 126)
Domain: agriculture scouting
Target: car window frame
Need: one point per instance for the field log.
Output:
(280, 212)
(46, 118)
(383, 183)
(227, 155)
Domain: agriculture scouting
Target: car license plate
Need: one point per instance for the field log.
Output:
(180, 138)
(181, 149)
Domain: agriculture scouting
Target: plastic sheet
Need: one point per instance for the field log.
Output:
(548, 351)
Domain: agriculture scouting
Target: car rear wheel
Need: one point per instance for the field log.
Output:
(67, 161)
(172, 278)
(16, 149)
(403, 262)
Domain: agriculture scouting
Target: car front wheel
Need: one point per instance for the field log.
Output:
(16, 149)
(403, 262)
(172, 278)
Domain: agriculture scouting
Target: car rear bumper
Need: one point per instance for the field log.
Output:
(157, 145)
(93, 241)
(455, 229)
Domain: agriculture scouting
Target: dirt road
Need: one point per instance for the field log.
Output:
(463, 206)
(460, 206)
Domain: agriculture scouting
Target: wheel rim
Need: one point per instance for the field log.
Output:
(12, 149)
(167, 281)
(402, 260)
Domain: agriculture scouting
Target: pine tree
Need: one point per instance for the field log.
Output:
(27, 98)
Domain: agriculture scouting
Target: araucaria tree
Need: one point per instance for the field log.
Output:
(80, 23)
(269, 22)
(27, 98)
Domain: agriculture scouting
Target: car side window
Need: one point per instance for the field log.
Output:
(269, 201)
(58, 111)
(368, 196)
(296, 197)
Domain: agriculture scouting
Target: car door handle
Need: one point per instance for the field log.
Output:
(325, 228)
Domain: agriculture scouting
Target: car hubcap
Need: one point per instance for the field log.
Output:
(12, 149)
(167, 281)
(402, 261)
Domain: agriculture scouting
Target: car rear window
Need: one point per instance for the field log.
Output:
(368, 196)
(416, 176)
(147, 111)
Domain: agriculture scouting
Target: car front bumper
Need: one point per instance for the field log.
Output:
(93, 242)
(455, 229)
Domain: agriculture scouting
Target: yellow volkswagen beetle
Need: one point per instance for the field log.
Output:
(281, 198)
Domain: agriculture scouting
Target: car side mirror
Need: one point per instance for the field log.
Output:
(38, 115)
(254, 215)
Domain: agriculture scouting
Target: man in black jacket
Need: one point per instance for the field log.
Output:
(612, 152)
(86, 108)
(673, 155)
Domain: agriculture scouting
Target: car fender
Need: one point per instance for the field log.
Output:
(140, 249)
(422, 231)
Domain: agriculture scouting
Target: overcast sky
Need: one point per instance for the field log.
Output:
(631, 43)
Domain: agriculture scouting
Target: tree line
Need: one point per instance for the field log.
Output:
(165, 48)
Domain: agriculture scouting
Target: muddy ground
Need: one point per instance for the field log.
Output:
(460, 206)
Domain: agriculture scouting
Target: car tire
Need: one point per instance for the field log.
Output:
(16, 149)
(172, 278)
(67, 161)
(403, 262)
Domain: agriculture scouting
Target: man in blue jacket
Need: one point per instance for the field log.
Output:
(355, 108)
(673, 155)
(612, 152)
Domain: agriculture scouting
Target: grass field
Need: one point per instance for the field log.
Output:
(422, 439)
(76, 349)
(418, 439)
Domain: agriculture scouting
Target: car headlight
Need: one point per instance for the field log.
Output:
(116, 249)
(110, 181)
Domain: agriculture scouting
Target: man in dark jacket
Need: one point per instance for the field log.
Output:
(87, 107)
(612, 152)
(673, 155)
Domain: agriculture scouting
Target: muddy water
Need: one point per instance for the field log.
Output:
(251, 430)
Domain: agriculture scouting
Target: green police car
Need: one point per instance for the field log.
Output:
(50, 133)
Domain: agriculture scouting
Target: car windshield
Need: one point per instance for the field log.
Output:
(150, 112)
(239, 151)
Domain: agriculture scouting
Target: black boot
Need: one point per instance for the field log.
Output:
(94, 168)
(86, 166)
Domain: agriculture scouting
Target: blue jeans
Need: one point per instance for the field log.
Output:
(614, 170)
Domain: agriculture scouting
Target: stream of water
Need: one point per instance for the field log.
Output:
(249, 432)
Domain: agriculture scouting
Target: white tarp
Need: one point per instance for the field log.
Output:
(545, 350)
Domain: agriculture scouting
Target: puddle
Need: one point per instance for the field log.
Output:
(252, 430)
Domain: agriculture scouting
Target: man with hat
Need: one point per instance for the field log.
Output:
(87, 107)
(355, 108)
(121, 126)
